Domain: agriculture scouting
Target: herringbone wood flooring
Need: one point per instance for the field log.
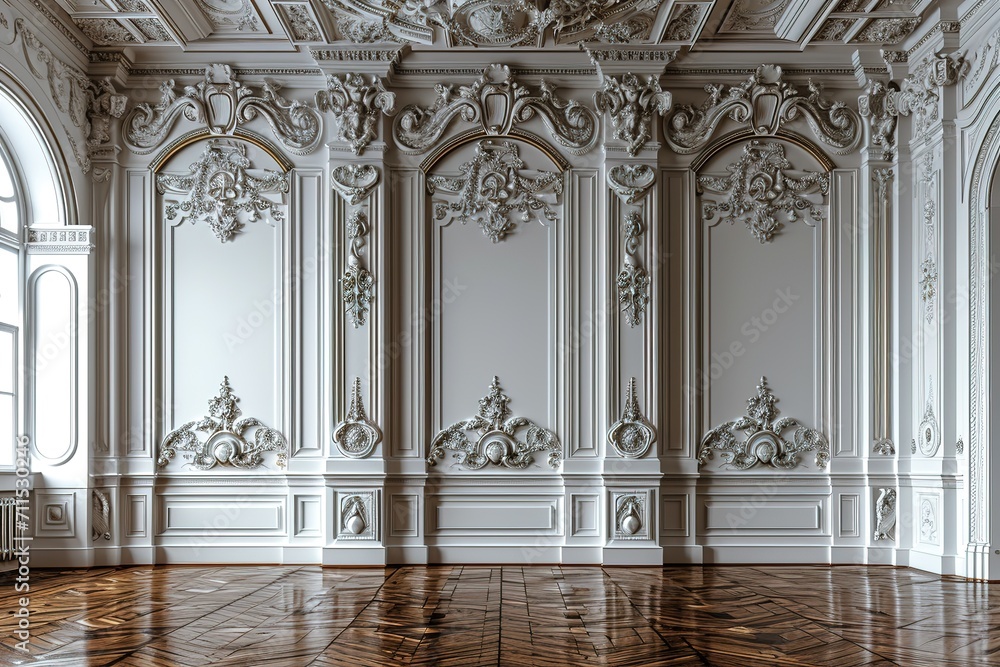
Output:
(511, 616)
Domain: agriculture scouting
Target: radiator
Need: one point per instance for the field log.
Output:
(8, 527)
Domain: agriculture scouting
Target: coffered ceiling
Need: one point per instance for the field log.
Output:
(180, 31)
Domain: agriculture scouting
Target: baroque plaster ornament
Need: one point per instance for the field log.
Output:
(221, 103)
(227, 442)
(631, 435)
(301, 25)
(878, 105)
(885, 514)
(357, 435)
(928, 286)
(759, 187)
(88, 104)
(960, 446)
(928, 522)
(357, 284)
(913, 445)
(633, 280)
(221, 191)
(763, 104)
(628, 516)
(764, 442)
(929, 439)
(356, 521)
(632, 103)
(496, 102)
(354, 182)
(630, 181)
(493, 188)
(683, 22)
(496, 23)
(497, 442)
(236, 14)
(919, 93)
(754, 15)
(884, 447)
(100, 515)
(356, 103)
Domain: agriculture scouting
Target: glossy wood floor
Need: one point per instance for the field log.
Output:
(468, 616)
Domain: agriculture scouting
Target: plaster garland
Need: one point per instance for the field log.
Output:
(633, 280)
(357, 283)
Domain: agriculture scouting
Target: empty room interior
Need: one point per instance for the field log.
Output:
(499, 332)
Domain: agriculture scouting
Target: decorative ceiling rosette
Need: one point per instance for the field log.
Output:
(764, 103)
(221, 103)
(764, 442)
(356, 436)
(496, 102)
(631, 435)
(227, 442)
(497, 442)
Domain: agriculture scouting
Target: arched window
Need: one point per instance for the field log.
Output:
(11, 223)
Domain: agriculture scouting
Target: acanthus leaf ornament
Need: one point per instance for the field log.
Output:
(354, 182)
(885, 514)
(763, 104)
(100, 515)
(631, 435)
(493, 188)
(764, 442)
(356, 103)
(919, 92)
(356, 435)
(227, 442)
(221, 102)
(496, 102)
(633, 280)
(878, 105)
(357, 283)
(497, 442)
(632, 103)
(759, 187)
(221, 191)
(630, 181)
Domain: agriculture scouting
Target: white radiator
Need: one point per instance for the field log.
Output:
(8, 527)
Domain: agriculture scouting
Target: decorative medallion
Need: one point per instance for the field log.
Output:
(885, 514)
(356, 436)
(630, 510)
(356, 103)
(496, 23)
(763, 103)
(759, 187)
(357, 284)
(221, 192)
(884, 447)
(632, 104)
(631, 435)
(354, 182)
(929, 439)
(497, 441)
(358, 516)
(226, 443)
(630, 181)
(100, 515)
(222, 103)
(493, 188)
(764, 442)
(497, 102)
(633, 280)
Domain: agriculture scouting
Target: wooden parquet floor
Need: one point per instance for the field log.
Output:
(453, 616)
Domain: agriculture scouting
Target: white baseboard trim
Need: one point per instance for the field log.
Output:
(582, 555)
(766, 555)
(367, 556)
(406, 555)
(634, 555)
(489, 555)
(682, 554)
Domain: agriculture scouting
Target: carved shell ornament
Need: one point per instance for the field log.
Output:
(226, 443)
(764, 442)
(356, 436)
(630, 181)
(497, 442)
(354, 182)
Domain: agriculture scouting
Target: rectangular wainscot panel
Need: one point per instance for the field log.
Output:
(734, 516)
(496, 514)
(221, 516)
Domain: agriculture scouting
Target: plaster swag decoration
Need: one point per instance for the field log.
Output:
(633, 280)
(759, 187)
(493, 188)
(929, 439)
(357, 435)
(100, 516)
(354, 182)
(222, 192)
(357, 284)
(497, 442)
(631, 435)
(764, 442)
(632, 103)
(628, 516)
(356, 103)
(221, 103)
(496, 102)
(227, 442)
(885, 514)
(764, 103)
(630, 181)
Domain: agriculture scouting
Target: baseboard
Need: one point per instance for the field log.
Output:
(766, 555)
(356, 556)
(633, 555)
(489, 555)
(406, 555)
(682, 554)
(582, 555)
